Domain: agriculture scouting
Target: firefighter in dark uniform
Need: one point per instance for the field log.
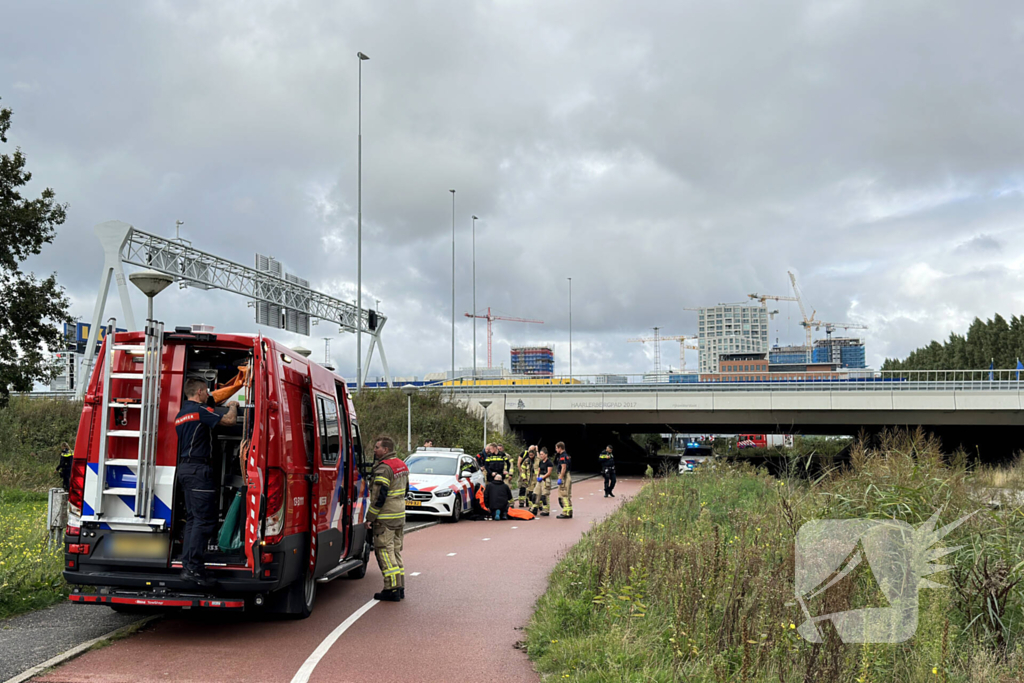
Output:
(564, 463)
(545, 470)
(67, 455)
(607, 461)
(386, 517)
(508, 460)
(194, 425)
(496, 462)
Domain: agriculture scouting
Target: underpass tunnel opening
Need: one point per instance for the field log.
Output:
(983, 444)
(586, 442)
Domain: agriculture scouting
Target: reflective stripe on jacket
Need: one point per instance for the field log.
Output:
(388, 490)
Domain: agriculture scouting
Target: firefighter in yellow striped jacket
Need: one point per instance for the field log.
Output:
(527, 476)
(386, 516)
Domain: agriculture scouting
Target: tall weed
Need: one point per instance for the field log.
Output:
(693, 579)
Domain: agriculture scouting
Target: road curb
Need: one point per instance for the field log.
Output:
(79, 649)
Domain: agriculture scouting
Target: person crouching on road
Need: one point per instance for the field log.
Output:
(564, 464)
(497, 497)
(194, 426)
(386, 517)
(542, 489)
(608, 470)
(527, 476)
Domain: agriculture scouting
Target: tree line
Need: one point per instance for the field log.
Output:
(988, 343)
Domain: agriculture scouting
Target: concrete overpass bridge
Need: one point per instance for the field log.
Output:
(965, 408)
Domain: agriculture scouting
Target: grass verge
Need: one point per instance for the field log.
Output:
(693, 579)
(30, 573)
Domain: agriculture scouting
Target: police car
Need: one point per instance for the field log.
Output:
(442, 482)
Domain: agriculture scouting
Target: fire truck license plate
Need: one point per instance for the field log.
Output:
(413, 503)
(143, 546)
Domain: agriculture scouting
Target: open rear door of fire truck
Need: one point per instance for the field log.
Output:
(255, 450)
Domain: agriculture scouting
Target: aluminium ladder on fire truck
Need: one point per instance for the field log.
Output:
(144, 464)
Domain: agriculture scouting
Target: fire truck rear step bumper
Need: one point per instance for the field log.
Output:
(172, 582)
(167, 600)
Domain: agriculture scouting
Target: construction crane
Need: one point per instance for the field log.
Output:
(763, 298)
(683, 345)
(490, 318)
(658, 338)
(806, 323)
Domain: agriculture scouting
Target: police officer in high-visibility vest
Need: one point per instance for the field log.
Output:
(564, 463)
(607, 462)
(67, 455)
(527, 476)
(545, 471)
(386, 517)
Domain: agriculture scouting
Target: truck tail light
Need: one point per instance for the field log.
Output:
(79, 548)
(77, 486)
(276, 489)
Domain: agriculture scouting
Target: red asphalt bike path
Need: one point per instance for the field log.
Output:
(462, 618)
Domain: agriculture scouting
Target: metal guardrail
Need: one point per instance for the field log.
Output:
(60, 395)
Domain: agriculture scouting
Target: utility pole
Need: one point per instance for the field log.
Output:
(453, 284)
(474, 304)
(570, 329)
(359, 234)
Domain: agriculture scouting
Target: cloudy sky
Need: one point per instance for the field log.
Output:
(662, 155)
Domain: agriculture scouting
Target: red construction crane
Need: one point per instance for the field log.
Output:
(491, 318)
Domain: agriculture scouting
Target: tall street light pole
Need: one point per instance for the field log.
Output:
(453, 287)
(409, 390)
(475, 219)
(359, 235)
(570, 329)
(485, 404)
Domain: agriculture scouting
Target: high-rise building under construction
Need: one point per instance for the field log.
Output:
(847, 352)
(535, 361)
(730, 328)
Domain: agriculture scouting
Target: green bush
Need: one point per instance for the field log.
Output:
(31, 432)
(693, 579)
(383, 411)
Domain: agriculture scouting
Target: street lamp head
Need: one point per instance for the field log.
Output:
(476, 218)
(150, 282)
(409, 389)
(362, 56)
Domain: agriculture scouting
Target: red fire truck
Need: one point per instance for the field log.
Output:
(294, 462)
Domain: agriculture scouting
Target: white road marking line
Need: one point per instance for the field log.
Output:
(451, 554)
(415, 574)
(304, 672)
(487, 539)
(515, 527)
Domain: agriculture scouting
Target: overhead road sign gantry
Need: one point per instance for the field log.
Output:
(191, 267)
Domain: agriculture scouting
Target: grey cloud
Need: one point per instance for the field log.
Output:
(662, 155)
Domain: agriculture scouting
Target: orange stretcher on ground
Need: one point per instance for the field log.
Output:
(515, 513)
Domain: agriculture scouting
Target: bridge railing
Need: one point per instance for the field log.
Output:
(902, 380)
